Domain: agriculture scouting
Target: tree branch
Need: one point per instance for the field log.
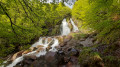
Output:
(9, 19)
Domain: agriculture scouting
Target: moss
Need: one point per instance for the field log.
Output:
(77, 36)
(90, 59)
(111, 61)
(111, 48)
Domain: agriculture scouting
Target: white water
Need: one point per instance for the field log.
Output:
(19, 59)
(38, 43)
(45, 43)
(75, 28)
(56, 43)
(65, 28)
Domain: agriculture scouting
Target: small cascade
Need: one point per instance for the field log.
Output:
(65, 28)
(19, 59)
(56, 43)
(38, 43)
(75, 28)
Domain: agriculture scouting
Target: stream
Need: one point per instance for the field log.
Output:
(44, 42)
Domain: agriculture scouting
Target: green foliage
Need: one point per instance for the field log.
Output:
(102, 16)
(23, 20)
(6, 50)
(87, 57)
(111, 61)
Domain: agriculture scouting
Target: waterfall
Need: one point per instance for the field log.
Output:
(75, 28)
(65, 28)
(45, 43)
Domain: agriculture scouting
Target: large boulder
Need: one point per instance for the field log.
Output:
(50, 59)
(88, 42)
(29, 59)
(72, 52)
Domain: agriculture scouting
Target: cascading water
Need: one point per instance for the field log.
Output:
(37, 54)
(45, 42)
(75, 28)
(56, 43)
(65, 28)
(38, 43)
(19, 59)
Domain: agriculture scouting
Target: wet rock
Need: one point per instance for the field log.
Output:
(25, 52)
(33, 57)
(49, 39)
(28, 60)
(39, 46)
(33, 48)
(35, 64)
(50, 56)
(73, 52)
(74, 60)
(39, 62)
(60, 57)
(39, 49)
(43, 39)
(48, 48)
(18, 54)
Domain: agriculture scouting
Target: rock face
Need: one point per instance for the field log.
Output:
(88, 42)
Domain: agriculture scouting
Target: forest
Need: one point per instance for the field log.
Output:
(22, 22)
